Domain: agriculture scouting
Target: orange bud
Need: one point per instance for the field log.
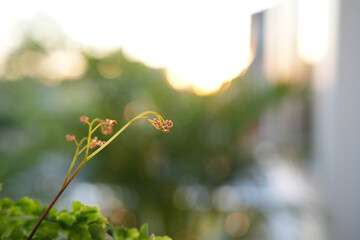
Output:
(107, 129)
(169, 123)
(113, 122)
(70, 138)
(84, 119)
(166, 128)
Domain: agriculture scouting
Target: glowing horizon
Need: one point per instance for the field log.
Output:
(201, 44)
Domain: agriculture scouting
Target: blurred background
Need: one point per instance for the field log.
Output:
(263, 95)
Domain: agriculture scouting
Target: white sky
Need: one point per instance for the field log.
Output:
(201, 43)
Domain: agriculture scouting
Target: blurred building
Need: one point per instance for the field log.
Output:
(337, 117)
(318, 40)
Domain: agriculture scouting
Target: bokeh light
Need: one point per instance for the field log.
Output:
(313, 30)
(237, 224)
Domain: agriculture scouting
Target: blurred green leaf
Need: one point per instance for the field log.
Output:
(28, 205)
(14, 211)
(17, 234)
(163, 238)
(2, 228)
(80, 234)
(17, 220)
(66, 218)
(143, 234)
(76, 206)
(97, 232)
(5, 203)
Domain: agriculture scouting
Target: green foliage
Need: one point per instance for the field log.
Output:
(81, 223)
(211, 145)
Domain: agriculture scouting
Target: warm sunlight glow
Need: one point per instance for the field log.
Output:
(201, 44)
(62, 65)
(217, 55)
(280, 44)
(313, 30)
(199, 52)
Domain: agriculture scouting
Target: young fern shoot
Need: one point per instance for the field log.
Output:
(90, 142)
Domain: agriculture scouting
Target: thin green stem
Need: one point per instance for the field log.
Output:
(118, 133)
(82, 150)
(82, 141)
(88, 141)
(97, 126)
(88, 157)
(72, 164)
(77, 153)
(96, 120)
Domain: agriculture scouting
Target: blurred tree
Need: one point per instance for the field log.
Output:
(172, 176)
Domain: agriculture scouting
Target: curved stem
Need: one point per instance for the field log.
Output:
(88, 141)
(97, 126)
(82, 150)
(87, 158)
(116, 135)
(77, 153)
(72, 164)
